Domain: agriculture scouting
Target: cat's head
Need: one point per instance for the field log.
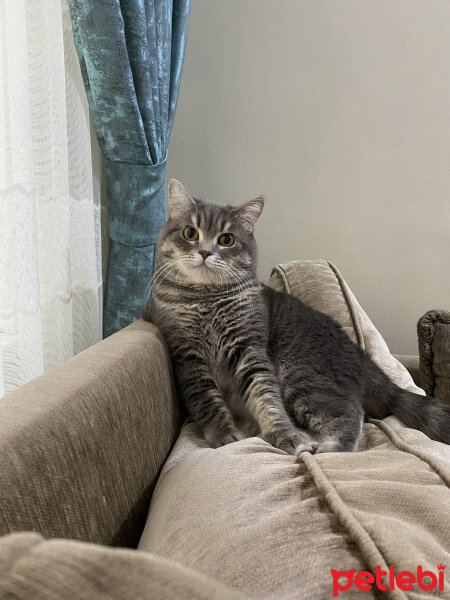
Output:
(205, 243)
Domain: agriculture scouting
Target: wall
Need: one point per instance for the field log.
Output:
(339, 113)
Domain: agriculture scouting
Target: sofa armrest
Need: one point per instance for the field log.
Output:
(32, 568)
(81, 447)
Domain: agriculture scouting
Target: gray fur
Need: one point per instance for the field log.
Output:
(250, 360)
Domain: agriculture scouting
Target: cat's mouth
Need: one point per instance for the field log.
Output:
(210, 270)
(200, 271)
(204, 264)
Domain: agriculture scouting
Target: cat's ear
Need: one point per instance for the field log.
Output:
(180, 200)
(249, 212)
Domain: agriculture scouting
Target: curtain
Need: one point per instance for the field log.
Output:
(131, 55)
(50, 255)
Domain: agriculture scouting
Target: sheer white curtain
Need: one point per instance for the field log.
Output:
(50, 247)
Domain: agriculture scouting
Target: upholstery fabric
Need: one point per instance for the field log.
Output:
(131, 56)
(82, 446)
(433, 330)
(271, 525)
(412, 363)
(441, 361)
(32, 568)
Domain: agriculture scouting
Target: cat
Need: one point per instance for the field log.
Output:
(251, 360)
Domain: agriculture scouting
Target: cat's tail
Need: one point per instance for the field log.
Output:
(383, 398)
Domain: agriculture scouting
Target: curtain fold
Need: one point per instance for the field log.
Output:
(131, 55)
(50, 254)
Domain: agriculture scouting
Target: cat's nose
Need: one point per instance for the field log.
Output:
(205, 254)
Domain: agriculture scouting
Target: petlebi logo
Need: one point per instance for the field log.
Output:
(388, 580)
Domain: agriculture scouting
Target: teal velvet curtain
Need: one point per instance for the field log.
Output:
(131, 55)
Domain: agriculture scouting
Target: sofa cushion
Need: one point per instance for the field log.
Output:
(410, 362)
(271, 525)
(433, 330)
(32, 568)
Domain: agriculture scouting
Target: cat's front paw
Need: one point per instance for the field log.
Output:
(234, 436)
(310, 446)
(292, 441)
(216, 440)
(330, 446)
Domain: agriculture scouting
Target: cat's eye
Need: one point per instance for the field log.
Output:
(190, 234)
(226, 239)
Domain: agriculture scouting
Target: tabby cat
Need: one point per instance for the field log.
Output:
(251, 360)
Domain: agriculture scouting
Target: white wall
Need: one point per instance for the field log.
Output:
(339, 113)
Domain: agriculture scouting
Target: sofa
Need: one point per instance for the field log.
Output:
(108, 490)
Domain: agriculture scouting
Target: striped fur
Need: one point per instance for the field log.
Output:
(249, 360)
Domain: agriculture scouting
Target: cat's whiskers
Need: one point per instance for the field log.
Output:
(150, 287)
(222, 279)
(161, 273)
(243, 279)
(162, 276)
(161, 269)
(239, 281)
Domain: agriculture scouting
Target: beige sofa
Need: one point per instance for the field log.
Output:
(85, 448)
